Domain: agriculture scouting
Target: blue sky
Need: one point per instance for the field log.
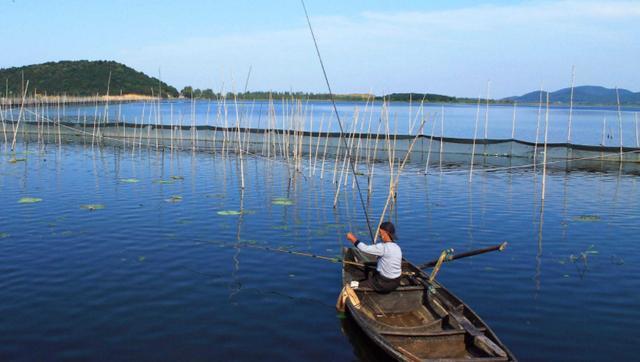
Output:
(450, 47)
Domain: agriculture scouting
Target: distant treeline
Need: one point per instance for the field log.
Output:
(80, 78)
(190, 92)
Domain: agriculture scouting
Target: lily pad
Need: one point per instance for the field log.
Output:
(174, 198)
(229, 213)
(141, 258)
(282, 201)
(175, 177)
(16, 160)
(29, 200)
(92, 207)
(587, 218)
(4, 235)
(163, 182)
(129, 180)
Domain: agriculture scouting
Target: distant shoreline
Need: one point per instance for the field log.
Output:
(13, 102)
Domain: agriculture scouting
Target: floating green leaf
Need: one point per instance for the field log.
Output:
(229, 213)
(129, 180)
(174, 198)
(141, 258)
(163, 182)
(15, 160)
(587, 218)
(92, 207)
(29, 200)
(175, 177)
(4, 235)
(282, 201)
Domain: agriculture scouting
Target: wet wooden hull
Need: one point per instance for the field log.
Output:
(421, 320)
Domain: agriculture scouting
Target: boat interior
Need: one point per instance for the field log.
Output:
(421, 320)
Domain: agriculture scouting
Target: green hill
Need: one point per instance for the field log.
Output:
(81, 78)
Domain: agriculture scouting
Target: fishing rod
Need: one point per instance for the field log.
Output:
(335, 109)
(292, 252)
(499, 247)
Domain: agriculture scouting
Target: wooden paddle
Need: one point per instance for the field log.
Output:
(431, 264)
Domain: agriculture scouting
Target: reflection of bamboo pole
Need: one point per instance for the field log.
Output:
(544, 162)
(475, 134)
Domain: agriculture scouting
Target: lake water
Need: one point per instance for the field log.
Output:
(589, 124)
(159, 273)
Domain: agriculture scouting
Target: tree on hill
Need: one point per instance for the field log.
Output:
(82, 78)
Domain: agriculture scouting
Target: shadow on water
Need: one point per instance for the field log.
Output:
(363, 347)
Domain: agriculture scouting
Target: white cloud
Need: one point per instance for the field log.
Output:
(446, 51)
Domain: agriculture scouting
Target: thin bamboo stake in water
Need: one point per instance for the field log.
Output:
(324, 152)
(394, 185)
(15, 133)
(604, 130)
(442, 137)
(637, 130)
(315, 159)
(535, 145)
(475, 134)
(544, 162)
(513, 121)
(573, 77)
(619, 121)
(486, 115)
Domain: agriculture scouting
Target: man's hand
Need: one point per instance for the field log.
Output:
(351, 237)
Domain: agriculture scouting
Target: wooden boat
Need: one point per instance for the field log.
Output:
(421, 320)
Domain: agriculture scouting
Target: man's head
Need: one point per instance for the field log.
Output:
(387, 231)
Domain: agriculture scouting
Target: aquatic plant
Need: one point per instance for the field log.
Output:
(129, 180)
(29, 200)
(4, 235)
(229, 213)
(587, 218)
(174, 198)
(177, 177)
(282, 201)
(92, 207)
(163, 182)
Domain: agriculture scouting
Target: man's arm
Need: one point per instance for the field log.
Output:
(376, 249)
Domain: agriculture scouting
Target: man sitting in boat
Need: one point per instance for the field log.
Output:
(386, 277)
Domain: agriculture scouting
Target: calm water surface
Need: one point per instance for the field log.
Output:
(158, 274)
(589, 124)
